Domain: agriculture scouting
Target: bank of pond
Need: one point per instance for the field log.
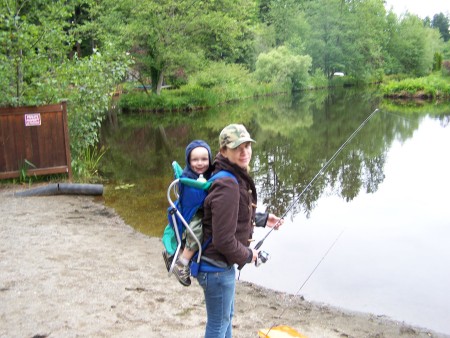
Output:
(197, 97)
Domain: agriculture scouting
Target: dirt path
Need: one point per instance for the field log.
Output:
(70, 267)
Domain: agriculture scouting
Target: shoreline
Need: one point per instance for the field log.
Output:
(71, 267)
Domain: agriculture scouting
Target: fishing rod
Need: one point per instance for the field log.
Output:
(321, 171)
(258, 245)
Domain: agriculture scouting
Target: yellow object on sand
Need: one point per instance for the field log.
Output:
(281, 331)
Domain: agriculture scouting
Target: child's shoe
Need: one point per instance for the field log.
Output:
(167, 259)
(182, 272)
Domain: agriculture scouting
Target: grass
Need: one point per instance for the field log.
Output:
(217, 84)
(220, 84)
(190, 97)
(434, 86)
(195, 97)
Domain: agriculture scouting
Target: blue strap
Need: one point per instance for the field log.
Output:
(206, 267)
(195, 266)
(222, 173)
(190, 182)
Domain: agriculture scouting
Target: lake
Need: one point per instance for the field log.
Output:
(369, 234)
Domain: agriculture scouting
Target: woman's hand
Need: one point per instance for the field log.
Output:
(274, 221)
(255, 255)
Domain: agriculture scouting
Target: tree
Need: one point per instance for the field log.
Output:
(391, 63)
(324, 44)
(38, 66)
(364, 27)
(412, 46)
(165, 37)
(33, 40)
(446, 50)
(347, 36)
(441, 22)
(225, 30)
(289, 23)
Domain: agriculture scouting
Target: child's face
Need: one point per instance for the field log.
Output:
(199, 160)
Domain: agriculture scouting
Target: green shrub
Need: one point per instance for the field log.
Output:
(220, 74)
(432, 86)
(282, 66)
(318, 79)
(215, 84)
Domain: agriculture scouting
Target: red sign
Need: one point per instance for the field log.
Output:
(32, 120)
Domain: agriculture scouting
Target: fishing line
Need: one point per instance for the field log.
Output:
(325, 166)
(307, 278)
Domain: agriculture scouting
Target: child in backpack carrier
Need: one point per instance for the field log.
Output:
(198, 162)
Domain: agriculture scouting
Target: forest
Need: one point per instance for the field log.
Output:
(87, 50)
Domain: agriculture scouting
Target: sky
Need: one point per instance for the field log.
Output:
(421, 8)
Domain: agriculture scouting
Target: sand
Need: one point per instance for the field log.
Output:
(71, 267)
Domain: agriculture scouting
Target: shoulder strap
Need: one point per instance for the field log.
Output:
(221, 174)
(206, 185)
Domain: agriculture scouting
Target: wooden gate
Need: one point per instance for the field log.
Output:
(34, 140)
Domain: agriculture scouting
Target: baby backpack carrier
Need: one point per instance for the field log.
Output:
(190, 195)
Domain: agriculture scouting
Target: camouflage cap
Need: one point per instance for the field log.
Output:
(233, 136)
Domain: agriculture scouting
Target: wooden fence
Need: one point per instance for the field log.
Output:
(35, 141)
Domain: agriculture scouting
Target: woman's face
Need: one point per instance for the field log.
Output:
(241, 155)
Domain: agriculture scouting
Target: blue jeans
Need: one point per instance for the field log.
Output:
(218, 288)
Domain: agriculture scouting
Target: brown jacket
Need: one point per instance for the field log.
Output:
(229, 215)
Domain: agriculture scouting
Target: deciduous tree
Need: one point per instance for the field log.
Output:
(412, 46)
(38, 66)
(165, 37)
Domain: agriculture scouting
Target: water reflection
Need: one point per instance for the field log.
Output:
(295, 137)
(392, 257)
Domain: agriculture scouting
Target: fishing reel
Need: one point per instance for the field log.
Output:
(262, 258)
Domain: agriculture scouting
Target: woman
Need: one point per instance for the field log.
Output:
(229, 218)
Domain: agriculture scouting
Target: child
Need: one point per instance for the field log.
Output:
(198, 162)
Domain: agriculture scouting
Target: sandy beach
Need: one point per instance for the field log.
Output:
(71, 267)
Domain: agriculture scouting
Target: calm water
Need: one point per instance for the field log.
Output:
(369, 235)
(392, 254)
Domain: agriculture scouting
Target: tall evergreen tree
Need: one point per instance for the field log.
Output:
(441, 22)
